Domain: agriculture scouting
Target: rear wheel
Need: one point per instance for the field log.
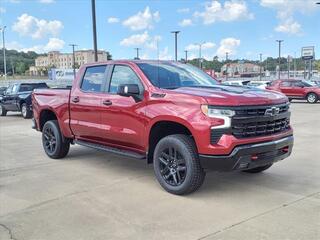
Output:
(3, 111)
(54, 143)
(312, 98)
(25, 111)
(177, 166)
(258, 169)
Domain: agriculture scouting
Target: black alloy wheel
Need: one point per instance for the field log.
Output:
(49, 140)
(172, 166)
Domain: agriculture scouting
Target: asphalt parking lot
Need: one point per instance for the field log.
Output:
(95, 195)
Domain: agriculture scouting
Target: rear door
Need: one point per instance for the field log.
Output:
(85, 104)
(286, 88)
(122, 118)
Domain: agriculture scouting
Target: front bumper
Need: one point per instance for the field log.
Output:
(250, 155)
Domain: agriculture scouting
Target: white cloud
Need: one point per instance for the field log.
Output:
(228, 45)
(113, 20)
(135, 40)
(185, 23)
(2, 10)
(142, 20)
(183, 10)
(13, 45)
(285, 11)
(27, 25)
(47, 1)
(230, 11)
(164, 54)
(289, 26)
(52, 45)
(205, 46)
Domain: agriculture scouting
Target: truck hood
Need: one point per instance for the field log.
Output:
(234, 96)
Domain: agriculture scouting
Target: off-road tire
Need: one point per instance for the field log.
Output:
(194, 173)
(62, 144)
(3, 111)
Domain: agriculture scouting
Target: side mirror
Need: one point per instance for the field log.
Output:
(128, 90)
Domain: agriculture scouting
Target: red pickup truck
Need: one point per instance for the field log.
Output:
(296, 89)
(171, 114)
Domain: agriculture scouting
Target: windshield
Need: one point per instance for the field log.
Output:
(174, 75)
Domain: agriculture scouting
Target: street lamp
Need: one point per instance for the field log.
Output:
(200, 45)
(137, 50)
(94, 29)
(176, 43)
(279, 58)
(227, 54)
(4, 53)
(73, 60)
(260, 65)
(186, 58)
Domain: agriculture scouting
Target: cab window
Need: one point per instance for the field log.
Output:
(93, 79)
(123, 75)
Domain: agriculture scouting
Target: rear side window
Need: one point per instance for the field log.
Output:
(286, 84)
(93, 79)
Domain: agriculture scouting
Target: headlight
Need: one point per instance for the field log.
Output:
(219, 113)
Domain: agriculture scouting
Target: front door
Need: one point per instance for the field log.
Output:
(122, 118)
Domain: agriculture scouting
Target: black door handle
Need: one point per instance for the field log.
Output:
(75, 99)
(107, 102)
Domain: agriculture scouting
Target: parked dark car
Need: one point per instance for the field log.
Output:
(2, 90)
(17, 98)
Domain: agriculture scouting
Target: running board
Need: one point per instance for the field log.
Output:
(126, 153)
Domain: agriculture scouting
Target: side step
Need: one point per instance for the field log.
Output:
(126, 153)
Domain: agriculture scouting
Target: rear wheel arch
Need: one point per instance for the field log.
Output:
(45, 116)
(161, 129)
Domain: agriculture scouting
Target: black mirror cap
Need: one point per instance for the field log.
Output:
(128, 90)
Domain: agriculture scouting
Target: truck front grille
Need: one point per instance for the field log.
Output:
(261, 128)
(255, 122)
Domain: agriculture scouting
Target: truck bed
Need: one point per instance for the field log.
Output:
(55, 100)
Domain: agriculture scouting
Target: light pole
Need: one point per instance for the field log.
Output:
(227, 54)
(137, 53)
(94, 30)
(260, 65)
(186, 58)
(200, 45)
(294, 65)
(279, 58)
(73, 60)
(4, 53)
(176, 43)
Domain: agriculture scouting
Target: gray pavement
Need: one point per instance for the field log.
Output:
(95, 195)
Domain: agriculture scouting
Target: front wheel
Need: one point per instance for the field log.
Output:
(25, 111)
(177, 166)
(258, 169)
(54, 143)
(312, 98)
(3, 111)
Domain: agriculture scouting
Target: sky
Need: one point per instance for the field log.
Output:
(244, 29)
